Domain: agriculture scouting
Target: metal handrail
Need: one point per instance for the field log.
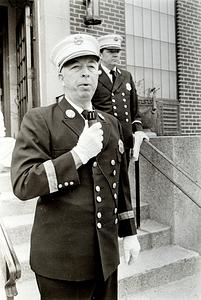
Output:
(167, 176)
(13, 268)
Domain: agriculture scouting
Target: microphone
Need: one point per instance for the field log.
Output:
(91, 117)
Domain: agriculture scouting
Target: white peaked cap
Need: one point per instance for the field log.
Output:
(110, 41)
(74, 45)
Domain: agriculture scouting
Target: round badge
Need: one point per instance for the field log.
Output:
(128, 86)
(121, 146)
(70, 113)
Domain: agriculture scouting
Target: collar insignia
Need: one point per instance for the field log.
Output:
(70, 114)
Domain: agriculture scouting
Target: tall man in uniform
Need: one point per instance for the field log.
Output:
(73, 165)
(116, 94)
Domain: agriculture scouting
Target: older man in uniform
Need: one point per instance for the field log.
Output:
(73, 158)
(116, 94)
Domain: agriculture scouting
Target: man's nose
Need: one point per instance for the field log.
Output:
(85, 75)
(85, 72)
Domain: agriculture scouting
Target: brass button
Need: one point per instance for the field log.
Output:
(125, 106)
(115, 114)
(66, 183)
(115, 196)
(60, 186)
(123, 94)
(115, 210)
(114, 185)
(99, 225)
(114, 107)
(114, 172)
(95, 164)
(124, 99)
(116, 221)
(126, 113)
(99, 215)
(127, 120)
(112, 162)
(97, 188)
(113, 100)
(99, 199)
(71, 183)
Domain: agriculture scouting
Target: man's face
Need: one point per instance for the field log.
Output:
(80, 79)
(110, 58)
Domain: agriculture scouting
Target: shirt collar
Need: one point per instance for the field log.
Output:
(107, 71)
(78, 108)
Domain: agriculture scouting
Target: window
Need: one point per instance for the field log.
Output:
(151, 49)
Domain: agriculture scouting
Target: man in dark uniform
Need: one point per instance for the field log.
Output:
(116, 94)
(77, 167)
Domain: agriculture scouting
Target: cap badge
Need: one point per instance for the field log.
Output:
(121, 146)
(128, 86)
(70, 113)
(78, 40)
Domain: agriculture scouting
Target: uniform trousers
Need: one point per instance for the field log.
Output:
(96, 289)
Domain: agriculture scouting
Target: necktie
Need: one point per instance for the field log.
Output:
(85, 114)
(112, 72)
(90, 116)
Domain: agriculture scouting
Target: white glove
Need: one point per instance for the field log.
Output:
(139, 136)
(90, 142)
(131, 248)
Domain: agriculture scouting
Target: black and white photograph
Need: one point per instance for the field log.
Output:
(100, 149)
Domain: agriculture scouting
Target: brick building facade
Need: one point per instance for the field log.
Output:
(188, 53)
(179, 113)
(189, 65)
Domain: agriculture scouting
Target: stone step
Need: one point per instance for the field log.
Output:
(144, 210)
(187, 288)
(155, 267)
(5, 181)
(11, 205)
(151, 234)
(19, 227)
(27, 290)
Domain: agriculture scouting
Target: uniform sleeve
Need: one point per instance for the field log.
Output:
(125, 210)
(135, 114)
(33, 171)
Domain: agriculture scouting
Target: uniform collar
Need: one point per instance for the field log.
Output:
(78, 108)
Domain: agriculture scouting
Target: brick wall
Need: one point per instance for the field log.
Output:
(112, 14)
(189, 65)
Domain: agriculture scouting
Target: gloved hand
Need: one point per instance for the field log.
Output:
(139, 136)
(90, 142)
(131, 248)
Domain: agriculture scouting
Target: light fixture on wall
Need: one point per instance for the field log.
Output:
(92, 12)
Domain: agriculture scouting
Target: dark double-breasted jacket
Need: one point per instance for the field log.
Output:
(119, 100)
(80, 212)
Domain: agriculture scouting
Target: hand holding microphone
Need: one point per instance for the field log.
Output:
(90, 141)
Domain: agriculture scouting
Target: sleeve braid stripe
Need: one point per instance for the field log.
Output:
(126, 215)
(51, 176)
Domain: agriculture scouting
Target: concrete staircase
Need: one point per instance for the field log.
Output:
(159, 262)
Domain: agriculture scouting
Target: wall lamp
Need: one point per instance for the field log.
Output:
(92, 12)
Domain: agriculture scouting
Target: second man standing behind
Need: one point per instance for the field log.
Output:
(116, 93)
